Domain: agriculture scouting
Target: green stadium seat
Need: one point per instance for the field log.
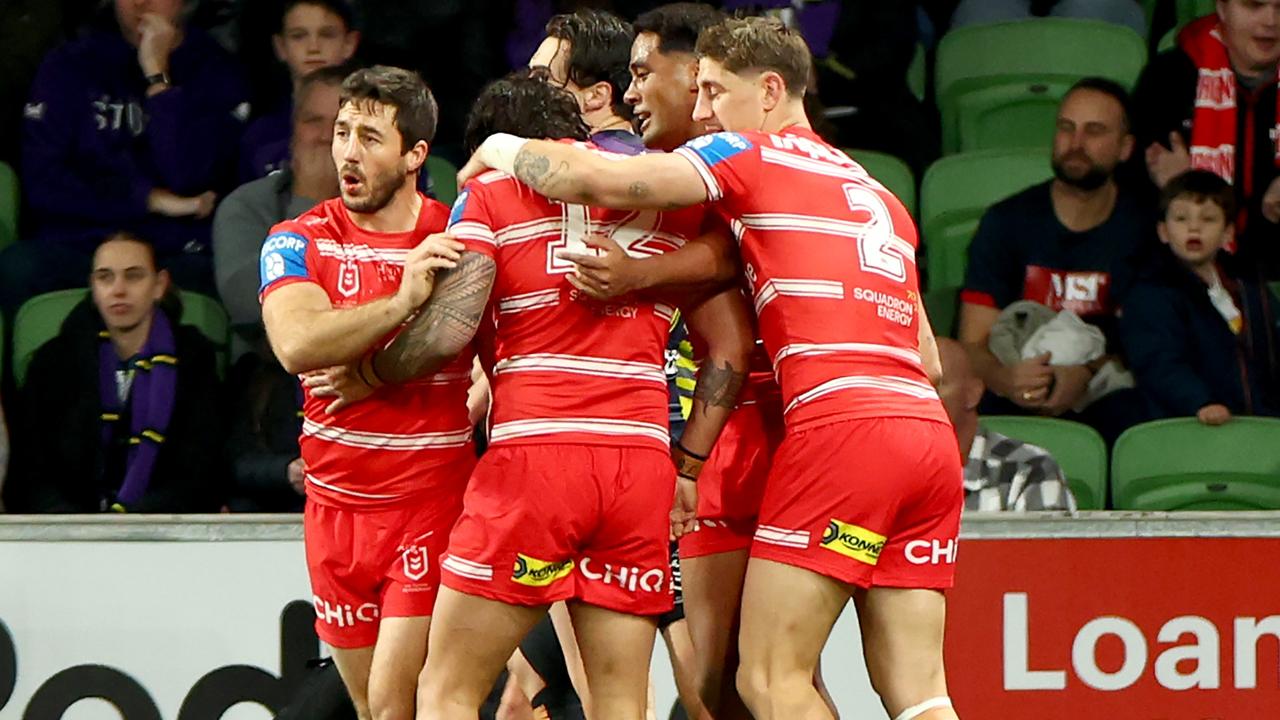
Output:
(1188, 10)
(943, 306)
(957, 190)
(999, 84)
(40, 319)
(9, 203)
(892, 172)
(444, 179)
(1181, 464)
(917, 74)
(1079, 449)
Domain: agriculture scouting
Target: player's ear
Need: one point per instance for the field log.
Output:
(597, 97)
(417, 156)
(773, 90)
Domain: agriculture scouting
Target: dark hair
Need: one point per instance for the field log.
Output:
(1199, 186)
(599, 51)
(760, 44)
(1110, 88)
(523, 104)
(331, 76)
(341, 8)
(171, 302)
(401, 89)
(678, 25)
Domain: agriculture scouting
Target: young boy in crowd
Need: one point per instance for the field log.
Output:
(1199, 340)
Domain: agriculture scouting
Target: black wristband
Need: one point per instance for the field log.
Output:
(680, 446)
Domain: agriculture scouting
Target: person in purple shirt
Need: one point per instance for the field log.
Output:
(132, 128)
(313, 34)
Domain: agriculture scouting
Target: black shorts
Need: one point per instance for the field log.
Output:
(676, 613)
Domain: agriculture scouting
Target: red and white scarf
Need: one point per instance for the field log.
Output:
(1213, 124)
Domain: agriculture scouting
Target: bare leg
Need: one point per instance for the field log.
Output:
(902, 643)
(563, 624)
(353, 666)
(821, 686)
(787, 614)
(398, 658)
(712, 598)
(616, 649)
(683, 663)
(515, 702)
(471, 640)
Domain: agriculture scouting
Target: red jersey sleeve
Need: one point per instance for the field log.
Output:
(726, 162)
(471, 222)
(284, 258)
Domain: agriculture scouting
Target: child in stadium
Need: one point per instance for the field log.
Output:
(1201, 341)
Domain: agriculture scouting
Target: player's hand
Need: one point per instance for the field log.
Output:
(1165, 164)
(438, 252)
(157, 38)
(341, 382)
(164, 202)
(1215, 414)
(1070, 382)
(1027, 383)
(1271, 202)
(684, 509)
(297, 473)
(606, 273)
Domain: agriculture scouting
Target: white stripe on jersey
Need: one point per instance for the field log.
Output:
(791, 222)
(443, 378)
(810, 165)
(887, 383)
(466, 568)
(334, 488)
(581, 365)
(781, 536)
(714, 192)
(359, 252)
(529, 301)
(862, 348)
(666, 312)
(774, 288)
(472, 230)
(592, 426)
(492, 176)
(385, 441)
(529, 230)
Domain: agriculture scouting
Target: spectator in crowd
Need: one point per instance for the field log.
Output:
(120, 411)
(313, 34)
(1128, 13)
(1000, 473)
(1210, 103)
(245, 217)
(1200, 342)
(133, 127)
(587, 53)
(262, 447)
(1071, 243)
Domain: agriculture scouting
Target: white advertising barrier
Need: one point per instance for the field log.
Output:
(198, 618)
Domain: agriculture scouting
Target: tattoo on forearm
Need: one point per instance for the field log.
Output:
(444, 325)
(536, 170)
(718, 386)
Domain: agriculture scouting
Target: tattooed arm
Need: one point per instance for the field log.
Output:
(658, 181)
(723, 322)
(442, 327)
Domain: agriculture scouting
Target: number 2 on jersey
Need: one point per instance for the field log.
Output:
(880, 250)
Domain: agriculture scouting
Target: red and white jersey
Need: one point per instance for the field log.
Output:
(384, 449)
(566, 368)
(829, 254)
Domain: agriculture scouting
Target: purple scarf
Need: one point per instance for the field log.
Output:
(151, 396)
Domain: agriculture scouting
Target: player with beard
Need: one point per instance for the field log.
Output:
(663, 93)
(868, 472)
(1074, 242)
(384, 479)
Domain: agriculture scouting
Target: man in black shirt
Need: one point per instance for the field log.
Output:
(1070, 244)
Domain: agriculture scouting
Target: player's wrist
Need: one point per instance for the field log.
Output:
(499, 151)
(368, 372)
(688, 463)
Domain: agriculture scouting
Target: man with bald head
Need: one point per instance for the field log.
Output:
(1000, 473)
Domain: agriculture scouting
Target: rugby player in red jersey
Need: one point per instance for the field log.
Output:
(384, 479)
(864, 497)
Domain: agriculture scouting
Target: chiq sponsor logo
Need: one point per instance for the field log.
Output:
(342, 614)
(630, 579)
(1189, 665)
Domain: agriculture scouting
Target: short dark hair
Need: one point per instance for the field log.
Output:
(1110, 88)
(1199, 186)
(401, 89)
(331, 76)
(678, 25)
(130, 236)
(341, 8)
(523, 104)
(599, 51)
(760, 44)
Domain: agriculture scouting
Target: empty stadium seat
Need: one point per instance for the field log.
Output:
(957, 190)
(892, 172)
(1181, 464)
(917, 74)
(1079, 449)
(9, 202)
(943, 305)
(444, 179)
(999, 85)
(1188, 10)
(40, 319)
